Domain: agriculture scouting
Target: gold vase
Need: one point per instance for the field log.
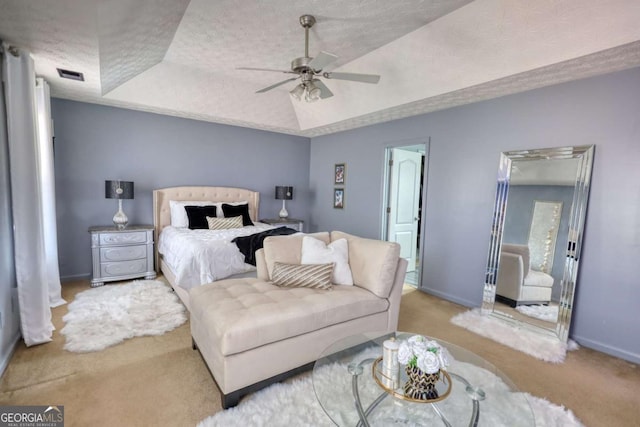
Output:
(420, 385)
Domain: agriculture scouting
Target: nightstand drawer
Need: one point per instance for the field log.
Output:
(123, 238)
(119, 254)
(123, 268)
(122, 253)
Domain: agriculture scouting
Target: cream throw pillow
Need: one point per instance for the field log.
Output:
(316, 251)
(224, 223)
(287, 249)
(316, 276)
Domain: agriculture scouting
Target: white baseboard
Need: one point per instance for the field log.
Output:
(4, 362)
(449, 297)
(607, 349)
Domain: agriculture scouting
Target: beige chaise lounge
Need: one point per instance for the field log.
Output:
(518, 284)
(252, 333)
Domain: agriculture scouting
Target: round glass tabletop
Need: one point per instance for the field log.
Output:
(477, 392)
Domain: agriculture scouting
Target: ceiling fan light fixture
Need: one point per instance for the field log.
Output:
(298, 92)
(312, 93)
(310, 69)
(306, 91)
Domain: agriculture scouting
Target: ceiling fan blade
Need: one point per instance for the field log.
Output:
(322, 60)
(265, 69)
(324, 90)
(354, 77)
(276, 85)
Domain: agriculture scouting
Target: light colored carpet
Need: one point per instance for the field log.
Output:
(548, 313)
(161, 381)
(295, 404)
(101, 317)
(532, 343)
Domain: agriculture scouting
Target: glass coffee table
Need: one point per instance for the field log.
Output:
(476, 392)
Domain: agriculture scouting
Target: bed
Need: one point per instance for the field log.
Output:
(223, 263)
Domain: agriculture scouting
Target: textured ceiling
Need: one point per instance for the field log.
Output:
(179, 57)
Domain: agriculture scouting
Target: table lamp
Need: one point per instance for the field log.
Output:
(284, 193)
(120, 190)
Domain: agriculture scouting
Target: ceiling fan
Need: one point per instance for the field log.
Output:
(308, 69)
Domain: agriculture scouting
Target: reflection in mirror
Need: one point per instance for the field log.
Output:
(543, 234)
(536, 237)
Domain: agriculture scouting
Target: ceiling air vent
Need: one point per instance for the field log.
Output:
(68, 74)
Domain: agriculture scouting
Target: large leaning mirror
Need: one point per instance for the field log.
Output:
(536, 237)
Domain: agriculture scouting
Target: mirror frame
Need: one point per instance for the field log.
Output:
(584, 154)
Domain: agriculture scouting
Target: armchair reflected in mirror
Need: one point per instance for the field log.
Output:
(540, 208)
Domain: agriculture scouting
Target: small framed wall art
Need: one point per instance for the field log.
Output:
(338, 198)
(339, 173)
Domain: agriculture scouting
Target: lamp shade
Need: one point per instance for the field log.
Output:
(118, 189)
(284, 193)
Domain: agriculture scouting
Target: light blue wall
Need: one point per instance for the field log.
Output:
(95, 143)
(464, 153)
(364, 155)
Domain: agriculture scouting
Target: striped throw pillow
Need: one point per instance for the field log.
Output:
(224, 223)
(316, 276)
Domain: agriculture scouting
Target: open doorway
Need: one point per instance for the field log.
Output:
(405, 171)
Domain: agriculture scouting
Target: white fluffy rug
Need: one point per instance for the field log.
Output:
(548, 313)
(101, 317)
(295, 404)
(519, 338)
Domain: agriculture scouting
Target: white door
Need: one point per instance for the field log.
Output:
(404, 199)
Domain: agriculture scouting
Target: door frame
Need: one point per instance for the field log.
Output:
(386, 184)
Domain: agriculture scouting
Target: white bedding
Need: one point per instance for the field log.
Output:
(203, 256)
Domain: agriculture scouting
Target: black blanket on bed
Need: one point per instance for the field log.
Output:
(248, 245)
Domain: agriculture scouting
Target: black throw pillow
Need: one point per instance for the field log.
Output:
(237, 210)
(198, 216)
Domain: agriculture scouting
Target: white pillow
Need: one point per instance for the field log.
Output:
(179, 214)
(316, 251)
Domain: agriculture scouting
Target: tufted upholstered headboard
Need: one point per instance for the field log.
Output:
(162, 212)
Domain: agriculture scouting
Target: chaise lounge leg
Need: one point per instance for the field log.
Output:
(193, 344)
(230, 400)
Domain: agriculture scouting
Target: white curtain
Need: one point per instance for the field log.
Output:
(48, 191)
(27, 199)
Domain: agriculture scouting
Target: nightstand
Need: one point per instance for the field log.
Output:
(121, 254)
(296, 224)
